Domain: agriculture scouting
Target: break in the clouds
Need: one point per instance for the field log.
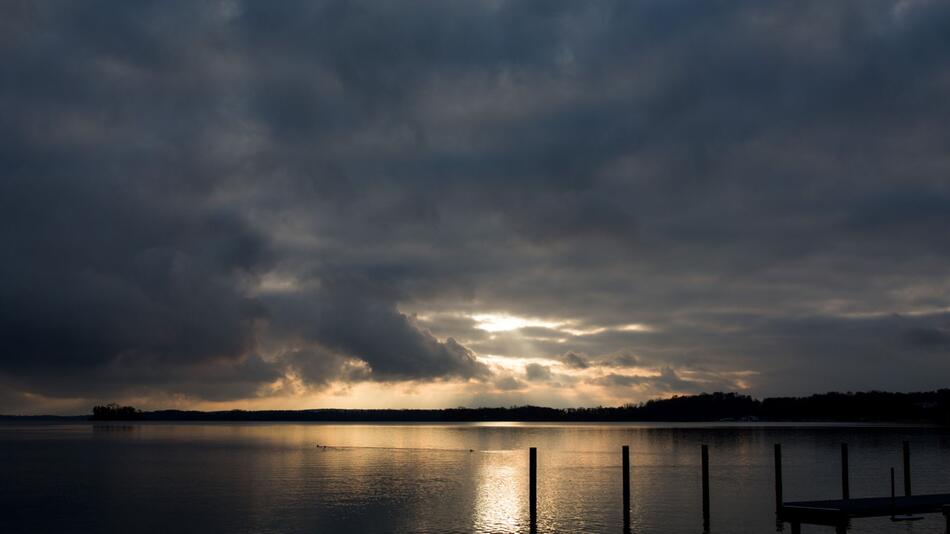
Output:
(442, 203)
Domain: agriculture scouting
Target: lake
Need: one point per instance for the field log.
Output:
(328, 478)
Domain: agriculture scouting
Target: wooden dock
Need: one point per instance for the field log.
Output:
(838, 512)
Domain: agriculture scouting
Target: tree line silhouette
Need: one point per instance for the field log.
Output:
(114, 412)
(870, 406)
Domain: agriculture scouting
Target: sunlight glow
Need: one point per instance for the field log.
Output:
(498, 322)
(635, 327)
(500, 499)
(512, 363)
(583, 331)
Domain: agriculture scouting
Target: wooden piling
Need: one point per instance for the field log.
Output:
(626, 487)
(778, 479)
(893, 501)
(705, 456)
(533, 486)
(907, 468)
(845, 485)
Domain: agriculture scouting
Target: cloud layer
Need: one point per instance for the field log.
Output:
(554, 202)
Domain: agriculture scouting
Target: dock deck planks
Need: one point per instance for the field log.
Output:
(838, 511)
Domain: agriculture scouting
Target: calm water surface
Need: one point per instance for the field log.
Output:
(262, 478)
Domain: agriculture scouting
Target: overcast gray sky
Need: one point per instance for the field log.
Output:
(369, 204)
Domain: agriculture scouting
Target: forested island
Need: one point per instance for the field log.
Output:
(871, 406)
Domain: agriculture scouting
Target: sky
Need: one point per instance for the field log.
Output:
(307, 204)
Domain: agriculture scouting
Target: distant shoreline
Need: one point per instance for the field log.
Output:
(931, 407)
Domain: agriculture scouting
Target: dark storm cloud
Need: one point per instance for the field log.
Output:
(761, 184)
(355, 320)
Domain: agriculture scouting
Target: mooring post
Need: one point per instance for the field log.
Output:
(626, 487)
(845, 486)
(778, 480)
(705, 451)
(893, 506)
(907, 468)
(533, 486)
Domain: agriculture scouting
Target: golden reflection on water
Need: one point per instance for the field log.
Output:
(433, 478)
(501, 497)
